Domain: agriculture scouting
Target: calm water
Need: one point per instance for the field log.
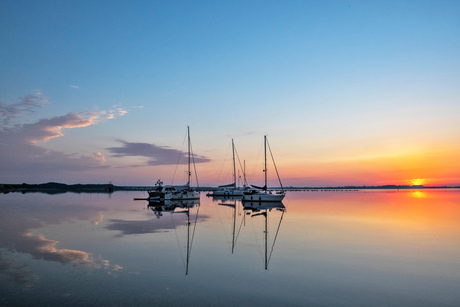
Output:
(325, 248)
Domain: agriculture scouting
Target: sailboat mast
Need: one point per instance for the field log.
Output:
(234, 224)
(189, 173)
(244, 174)
(265, 151)
(234, 167)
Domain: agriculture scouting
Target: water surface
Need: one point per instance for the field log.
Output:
(323, 248)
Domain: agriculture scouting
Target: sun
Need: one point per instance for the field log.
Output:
(418, 181)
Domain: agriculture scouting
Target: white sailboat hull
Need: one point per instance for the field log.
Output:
(228, 193)
(183, 195)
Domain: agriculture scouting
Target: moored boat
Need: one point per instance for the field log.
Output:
(263, 194)
(184, 192)
(229, 190)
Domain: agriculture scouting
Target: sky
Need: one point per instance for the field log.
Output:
(347, 92)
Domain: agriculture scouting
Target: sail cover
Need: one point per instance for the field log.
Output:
(231, 185)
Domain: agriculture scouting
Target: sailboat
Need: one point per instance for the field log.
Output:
(262, 194)
(231, 189)
(184, 192)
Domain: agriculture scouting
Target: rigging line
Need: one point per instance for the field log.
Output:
(239, 229)
(193, 233)
(194, 167)
(177, 238)
(276, 235)
(178, 160)
(274, 164)
(251, 178)
(223, 227)
(222, 167)
(241, 168)
(254, 233)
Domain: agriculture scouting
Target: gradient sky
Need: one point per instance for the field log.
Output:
(348, 92)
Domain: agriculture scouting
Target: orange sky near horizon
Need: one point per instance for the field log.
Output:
(430, 168)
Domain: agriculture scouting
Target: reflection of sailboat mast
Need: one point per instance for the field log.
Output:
(266, 240)
(190, 236)
(265, 214)
(234, 222)
(188, 239)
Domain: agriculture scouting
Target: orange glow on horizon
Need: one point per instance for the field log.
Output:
(417, 181)
(437, 168)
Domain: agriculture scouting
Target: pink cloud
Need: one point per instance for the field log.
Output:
(46, 129)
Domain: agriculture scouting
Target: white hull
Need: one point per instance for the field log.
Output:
(228, 193)
(184, 195)
(263, 197)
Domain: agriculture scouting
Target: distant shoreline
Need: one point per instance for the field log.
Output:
(58, 188)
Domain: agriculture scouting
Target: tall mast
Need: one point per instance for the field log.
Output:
(265, 151)
(244, 174)
(234, 167)
(189, 173)
(234, 224)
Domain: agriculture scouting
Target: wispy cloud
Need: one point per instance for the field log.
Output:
(26, 105)
(113, 113)
(20, 143)
(158, 155)
(46, 129)
(74, 86)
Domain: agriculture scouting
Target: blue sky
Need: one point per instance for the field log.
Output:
(334, 84)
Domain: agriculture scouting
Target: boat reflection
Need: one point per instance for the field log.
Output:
(158, 207)
(259, 206)
(224, 198)
(179, 207)
(262, 209)
(254, 209)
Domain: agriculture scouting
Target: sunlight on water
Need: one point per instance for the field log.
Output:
(316, 248)
(418, 194)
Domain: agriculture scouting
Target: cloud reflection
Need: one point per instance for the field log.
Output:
(98, 220)
(41, 248)
(17, 238)
(143, 227)
(17, 274)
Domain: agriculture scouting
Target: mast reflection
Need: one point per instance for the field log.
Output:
(262, 209)
(233, 204)
(181, 207)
